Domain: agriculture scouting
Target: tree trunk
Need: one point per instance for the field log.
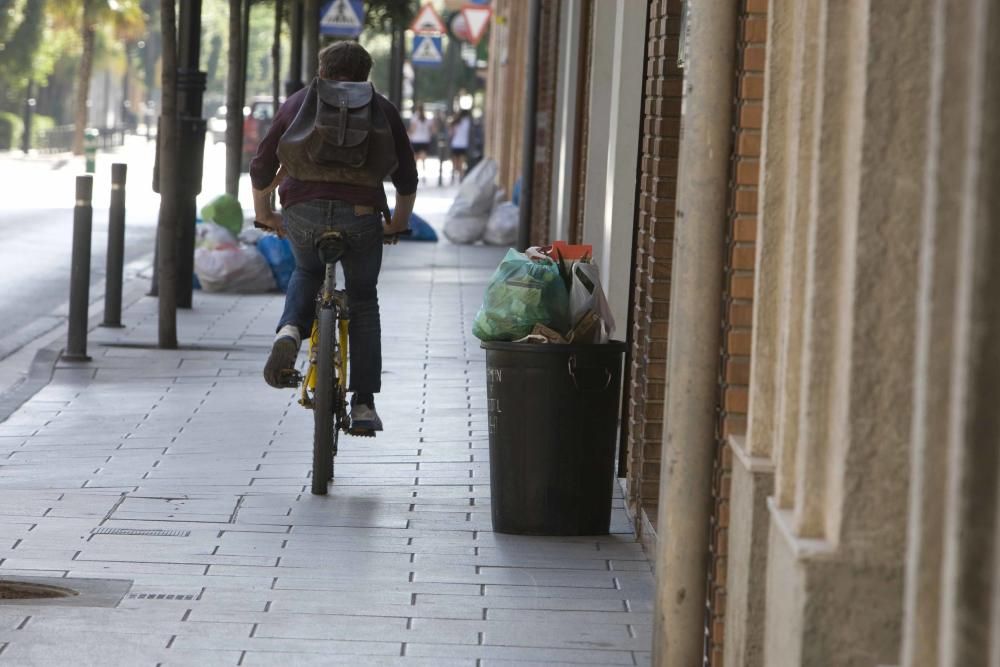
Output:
(167, 231)
(83, 78)
(276, 55)
(234, 100)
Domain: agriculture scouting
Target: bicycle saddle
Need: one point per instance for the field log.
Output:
(331, 246)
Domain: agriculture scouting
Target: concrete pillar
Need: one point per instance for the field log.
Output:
(693, 348)
(753, 469)
(599, 129)
(773, 198)
(622, 158)
(970, 597)
(962, 108)
(832, 193)
(799, 165)
(835, 571)
(564, 148)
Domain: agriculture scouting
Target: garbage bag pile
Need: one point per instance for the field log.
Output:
(480, 212)
(551, 294)
(223, 264)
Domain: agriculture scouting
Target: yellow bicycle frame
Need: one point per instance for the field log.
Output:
(340, 362)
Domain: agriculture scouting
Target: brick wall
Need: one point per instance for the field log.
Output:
(737, 305)
(659, 143)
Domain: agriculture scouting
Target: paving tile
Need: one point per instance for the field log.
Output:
(398, 565)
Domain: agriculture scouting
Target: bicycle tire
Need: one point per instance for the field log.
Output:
(324, 400)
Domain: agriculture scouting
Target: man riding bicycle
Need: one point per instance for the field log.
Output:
(331, 203)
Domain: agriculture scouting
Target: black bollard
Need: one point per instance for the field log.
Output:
(116, 249)
(79, 275)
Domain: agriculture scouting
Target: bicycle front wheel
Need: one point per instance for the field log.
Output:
(324, 402)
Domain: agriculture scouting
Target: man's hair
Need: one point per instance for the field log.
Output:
(346, 61)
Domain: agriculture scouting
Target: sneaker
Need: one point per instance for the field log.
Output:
(279, 371)
(364, 419)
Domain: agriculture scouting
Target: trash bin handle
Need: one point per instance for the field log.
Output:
(571, 368)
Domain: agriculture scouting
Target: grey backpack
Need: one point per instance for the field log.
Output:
(339, 135)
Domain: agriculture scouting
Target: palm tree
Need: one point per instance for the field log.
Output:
(123, 19)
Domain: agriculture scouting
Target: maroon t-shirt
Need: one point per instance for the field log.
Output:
(292, 191)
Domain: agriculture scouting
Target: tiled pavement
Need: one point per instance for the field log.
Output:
(397, 566)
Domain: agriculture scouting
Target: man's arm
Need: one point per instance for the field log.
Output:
(405, 177)
(263, 212)
(401, 214)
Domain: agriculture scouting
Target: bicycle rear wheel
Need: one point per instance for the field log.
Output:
(324, 404)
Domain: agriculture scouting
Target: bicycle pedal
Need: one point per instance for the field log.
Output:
(361, 432)
(290, 378)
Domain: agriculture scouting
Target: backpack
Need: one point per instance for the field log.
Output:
(339, 135)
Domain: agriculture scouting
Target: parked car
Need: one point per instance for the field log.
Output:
(257, 119)
(217, 125)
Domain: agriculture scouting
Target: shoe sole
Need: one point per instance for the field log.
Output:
(279, 371)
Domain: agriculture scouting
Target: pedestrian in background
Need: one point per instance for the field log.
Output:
(420, 131)
(461, 129)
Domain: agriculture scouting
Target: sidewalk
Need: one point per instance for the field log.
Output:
(183, 474)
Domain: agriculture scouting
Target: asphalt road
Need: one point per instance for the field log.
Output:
(36, 233)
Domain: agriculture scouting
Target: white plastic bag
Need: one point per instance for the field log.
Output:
(586, 294)
(241, 270)
(502, 226)
(470, 211)
(210, 235)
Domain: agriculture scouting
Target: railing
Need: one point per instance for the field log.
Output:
(60, 139)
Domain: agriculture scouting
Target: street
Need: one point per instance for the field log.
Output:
(36, 224)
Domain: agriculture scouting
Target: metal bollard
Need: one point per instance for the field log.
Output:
(116, 249)
(79, 275)
(90, 137)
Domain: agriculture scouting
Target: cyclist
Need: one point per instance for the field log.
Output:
(311, 208)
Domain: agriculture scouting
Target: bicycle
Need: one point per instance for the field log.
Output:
(324, 385)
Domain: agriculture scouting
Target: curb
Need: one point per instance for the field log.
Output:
(43, 365)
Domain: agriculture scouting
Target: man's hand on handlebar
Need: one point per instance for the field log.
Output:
(394, 230)
(272, 222)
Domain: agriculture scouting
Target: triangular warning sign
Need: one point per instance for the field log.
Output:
(426, 51)
(341, 14)
(427, 22)
(477, 17)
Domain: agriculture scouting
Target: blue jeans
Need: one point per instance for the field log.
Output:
(362, 261)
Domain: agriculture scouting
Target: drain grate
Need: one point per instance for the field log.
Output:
(147, 532)
(160, 596)
(26, 590)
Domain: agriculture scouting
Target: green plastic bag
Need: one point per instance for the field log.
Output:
(224, 210)
(521, 294)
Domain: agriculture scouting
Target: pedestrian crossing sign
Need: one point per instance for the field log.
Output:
(427, 21)
(426, 50)
(342, 18)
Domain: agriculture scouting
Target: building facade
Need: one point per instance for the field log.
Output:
(795, 208)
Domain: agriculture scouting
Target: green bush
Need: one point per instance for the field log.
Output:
(10, 130)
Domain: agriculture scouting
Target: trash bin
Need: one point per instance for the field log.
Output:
(553, 422)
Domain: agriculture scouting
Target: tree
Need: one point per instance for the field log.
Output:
(166, 237)
(20, 43)
(125, 20)
(234, 99)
